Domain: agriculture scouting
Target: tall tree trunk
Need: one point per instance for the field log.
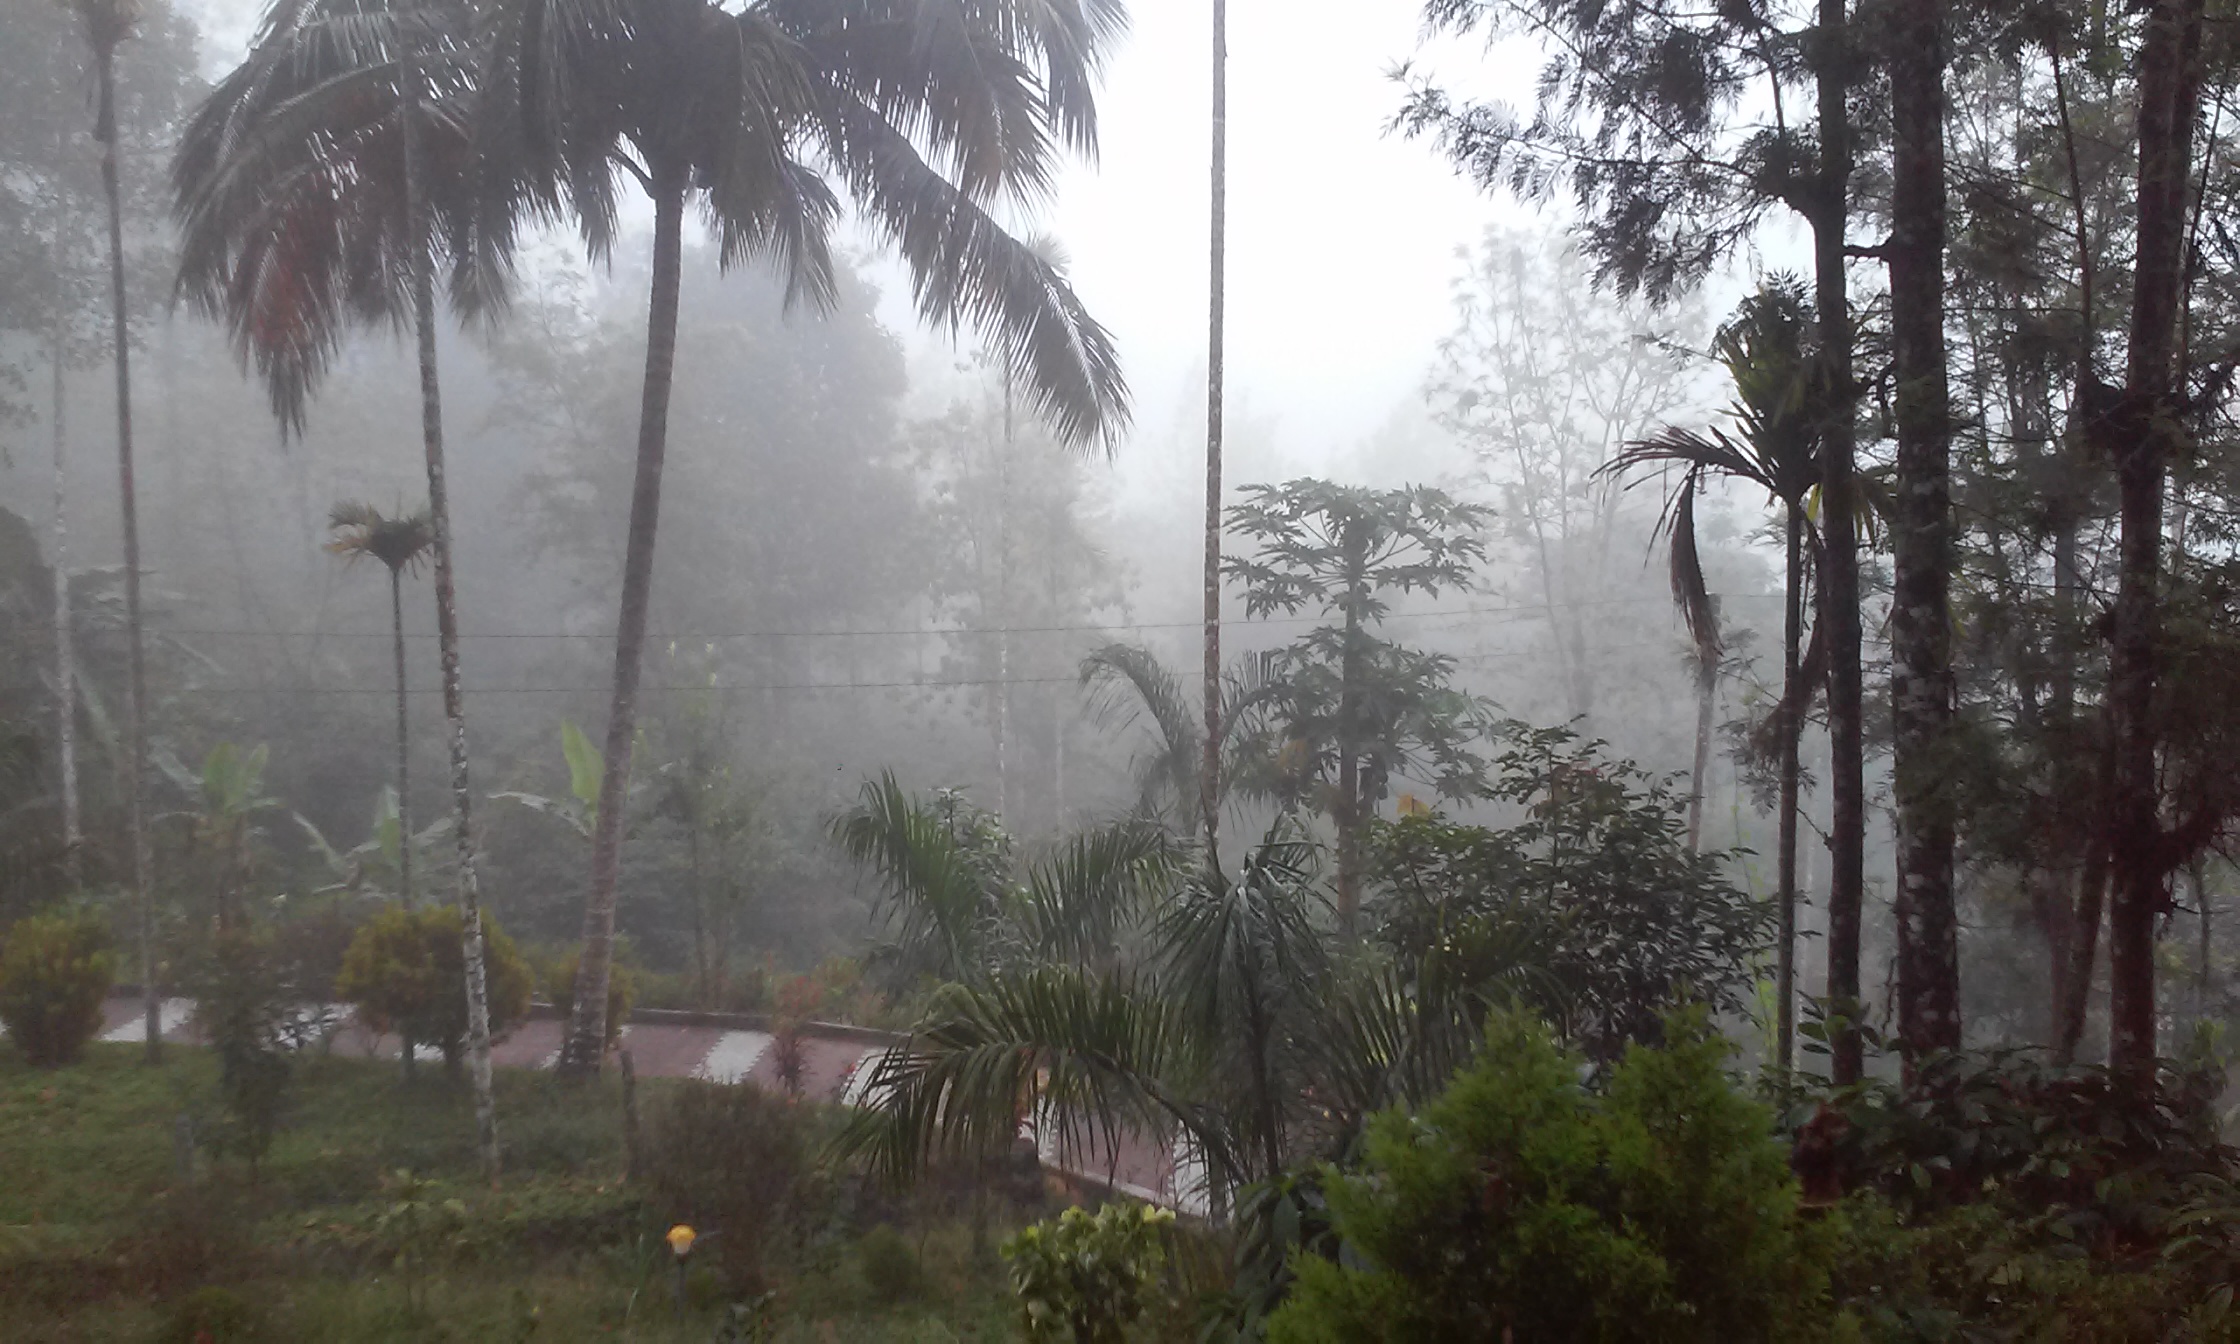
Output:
(1839, 567)
(1209, 768)
(477, 988)
(1707, 704)
(2146, 435)
(1921, 685)
(404, 742)
(2084, 934)
(1793, 701)
(136, 672)
(65, 629)
(587, 1026)
(1349, 810)
(1003, 605)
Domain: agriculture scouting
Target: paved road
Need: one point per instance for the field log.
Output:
(835, 1067)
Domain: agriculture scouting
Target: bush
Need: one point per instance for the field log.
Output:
(890, 1265)
(406, 972)
(732, 1161)
(622, 990)
(1084, 1278)
(2021, 1200)
(213, 1315)
(246, 1008)
(1521, 1204)
(55, 970)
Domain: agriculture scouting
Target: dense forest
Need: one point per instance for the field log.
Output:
(1715, 821)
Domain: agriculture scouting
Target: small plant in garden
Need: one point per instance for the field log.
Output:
(890, 1265)
(414, 1229)
(1084, 1278)
(733, 1162)
(798, 999)
(405, 971)
(245, 1008)
(55, 969)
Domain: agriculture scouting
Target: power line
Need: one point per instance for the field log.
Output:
(919, 684)
(1518, 609)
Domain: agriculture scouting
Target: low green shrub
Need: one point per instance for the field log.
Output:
(246, 1008)
(406, 971)
(213, 1315)
(1521, 1204)
(55, 969)
(890, 1265)
(1084, 1278)
(734, 1162)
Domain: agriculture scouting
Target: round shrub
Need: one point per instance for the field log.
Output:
(890, 1265)
(55, 969)
(406, 971)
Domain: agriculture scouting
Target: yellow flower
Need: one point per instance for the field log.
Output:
(680, 1239)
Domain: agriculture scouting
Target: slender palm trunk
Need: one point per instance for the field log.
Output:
(404, 742)
(136, 675)
(1839, 569)
(1003, 606)
(587, 1027)
(65, 631)
(1209, 768)
(2148, 434)
(477, 987)
(1707, 703)
(1791, 727)
(1921, 688)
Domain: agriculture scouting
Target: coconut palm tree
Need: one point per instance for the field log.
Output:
(317, 187)
(400, 544)
(107, 24)
(1775, 446)
(766, 114)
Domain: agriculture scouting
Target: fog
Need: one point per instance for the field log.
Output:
(825, 593)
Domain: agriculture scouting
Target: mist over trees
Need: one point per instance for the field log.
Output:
(1789, 625)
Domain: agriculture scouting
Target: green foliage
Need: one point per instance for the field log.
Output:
(1084, 1278)
(890, 1265)
(2001, 1197)
(55, 969)
(1590, 907)
(1342, 705)
(559, 981)
(247, 1010)
(214, 1315)
(734, 1162)
(1521, 1204)
(406, 971)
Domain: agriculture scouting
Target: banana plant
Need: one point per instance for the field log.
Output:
(374, 866)
(586, 765)
(224, 800)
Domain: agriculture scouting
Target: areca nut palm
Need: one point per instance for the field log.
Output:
(107, 24)
(1776, 411)
(929, 115)
(400, 544)
(315, 188)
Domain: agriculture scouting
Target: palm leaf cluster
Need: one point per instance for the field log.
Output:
(290, 187)
(1121, 993)
(362, 532)
(928, 117)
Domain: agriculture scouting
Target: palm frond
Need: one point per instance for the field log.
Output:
(966, 269)
(1080, 901)
(1093, 1061)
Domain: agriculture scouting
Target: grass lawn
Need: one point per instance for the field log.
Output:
(101, 1238)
